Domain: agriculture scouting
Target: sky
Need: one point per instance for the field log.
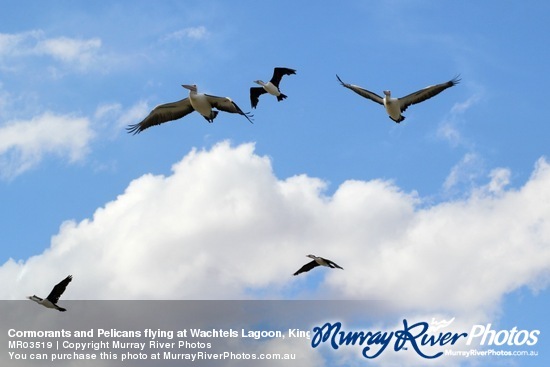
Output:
(447, 211)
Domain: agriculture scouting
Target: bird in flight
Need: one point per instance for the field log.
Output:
(271, 87)
(53, 297)
(317, 260)
(395, 106)
(200, 102)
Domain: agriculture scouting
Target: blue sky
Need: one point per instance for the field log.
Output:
(461, 182)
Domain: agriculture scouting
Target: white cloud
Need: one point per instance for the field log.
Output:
(223, 225)
(462, 107)
(80, 54)
(111, 118)
(72, 51)
(24, 143)
(193, 33)
(5, 98)
(134, 113)
(448, 131)
(500, 178)
(106, 110)
(449, 128)
(13, 44)
(466, 171)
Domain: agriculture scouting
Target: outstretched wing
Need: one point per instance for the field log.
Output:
(426, 93)
(278, 75)
(227, 105)
(362, 92)
(307, 267)
(58, 290)
(255, 93)
(332, 264)
(161, 114)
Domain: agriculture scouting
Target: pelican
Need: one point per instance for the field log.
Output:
(394, 106)
(316, 262)
(271, 87)
(53, 298)
(202, 103)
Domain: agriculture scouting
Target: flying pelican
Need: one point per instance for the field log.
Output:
(271, 87)
(202, 103)
(316, 262)
(394, 106)
(53, 298)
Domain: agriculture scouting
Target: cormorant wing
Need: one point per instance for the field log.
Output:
(426, 93)
(161, 114)
(332, 264)
(227, 105)
(362, 92)
(307, 267)
(278, 75)
(58, 290)
(255, 93)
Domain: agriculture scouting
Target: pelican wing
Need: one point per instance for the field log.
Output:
(58, 290)
(426, 93)
(362, 92)
(278, 75)
(161, 114)
(255, 93)
(307, 267)
(227, 105)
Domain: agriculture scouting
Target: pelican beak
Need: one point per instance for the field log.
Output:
(187, 86)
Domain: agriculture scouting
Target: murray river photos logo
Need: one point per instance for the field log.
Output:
(424, 338)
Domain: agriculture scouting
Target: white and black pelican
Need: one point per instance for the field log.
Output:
(394, 106)
(200, 102)
(53, 298)
(271, 87)
(316, 262)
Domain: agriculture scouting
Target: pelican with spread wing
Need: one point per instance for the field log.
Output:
(200, 102)
(395, 106)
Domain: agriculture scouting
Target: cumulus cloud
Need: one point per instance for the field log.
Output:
(24, 143)
(223, 226)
